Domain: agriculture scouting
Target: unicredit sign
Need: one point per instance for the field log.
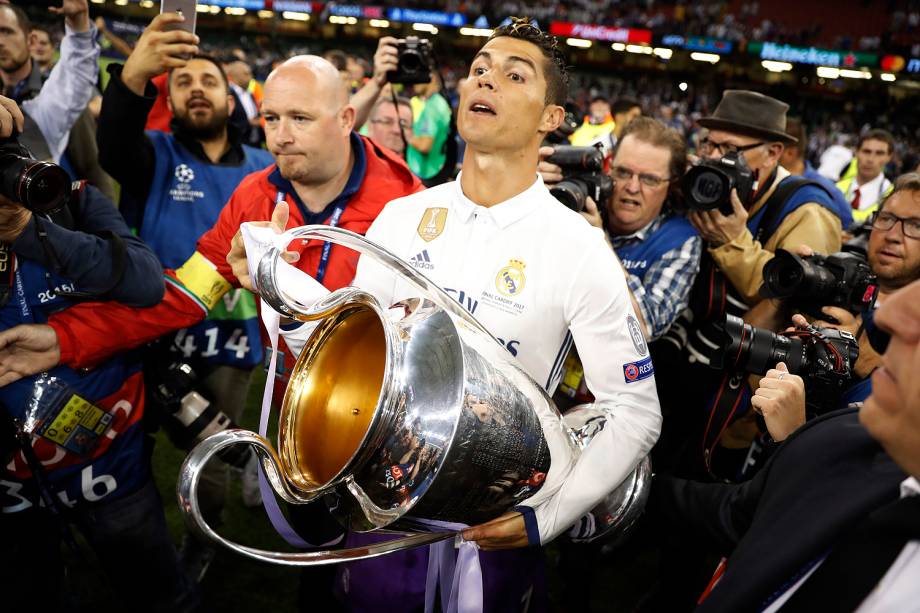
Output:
(604, 33)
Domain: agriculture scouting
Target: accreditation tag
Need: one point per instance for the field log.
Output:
(200, 277)
(58, 414)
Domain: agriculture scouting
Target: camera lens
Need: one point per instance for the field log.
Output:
(39, 186)
(411, 61)
(788, 275)
(706, 188)
(571, 193)
(755, 350)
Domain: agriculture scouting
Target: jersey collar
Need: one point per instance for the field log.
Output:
(504, 213)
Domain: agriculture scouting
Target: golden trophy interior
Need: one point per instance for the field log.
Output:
(332, 396)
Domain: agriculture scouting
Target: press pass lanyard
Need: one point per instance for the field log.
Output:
(327, 246)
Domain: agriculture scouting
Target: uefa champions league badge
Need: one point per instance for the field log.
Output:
(637, 371)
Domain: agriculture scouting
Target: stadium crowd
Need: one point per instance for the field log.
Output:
(732, 282)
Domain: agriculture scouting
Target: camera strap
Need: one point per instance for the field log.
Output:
(730, 403)
(7, 273)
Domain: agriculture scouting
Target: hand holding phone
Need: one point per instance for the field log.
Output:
(186, 8)
(160, 48)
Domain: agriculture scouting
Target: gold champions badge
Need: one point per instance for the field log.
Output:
(432, 223)
(510, 280)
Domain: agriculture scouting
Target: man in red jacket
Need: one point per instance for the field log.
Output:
(325, 173)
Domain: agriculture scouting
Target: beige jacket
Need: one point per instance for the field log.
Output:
(742, 259)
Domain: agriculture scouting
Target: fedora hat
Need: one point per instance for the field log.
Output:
(750, 113)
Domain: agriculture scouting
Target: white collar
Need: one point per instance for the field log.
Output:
(504, 213)
(910, 487)
(870, 186)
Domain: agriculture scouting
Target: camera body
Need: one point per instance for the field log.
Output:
(809, 283)
(560, 136)
(190, 417)
(583, 176)
(823, 357)
(414, 61)
(41, 187)
(708, 185)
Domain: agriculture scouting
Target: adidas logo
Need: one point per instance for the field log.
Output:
(422, 261)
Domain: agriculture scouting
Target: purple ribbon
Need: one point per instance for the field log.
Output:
(457, 576)
(271, 320)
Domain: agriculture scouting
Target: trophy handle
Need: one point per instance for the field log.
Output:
(187, 492)
(267, 286)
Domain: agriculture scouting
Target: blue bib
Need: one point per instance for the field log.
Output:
(186, 198)
(671, 234)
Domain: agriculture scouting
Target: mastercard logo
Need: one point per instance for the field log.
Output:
(893, 63)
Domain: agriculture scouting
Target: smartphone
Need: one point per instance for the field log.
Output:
(186, 7)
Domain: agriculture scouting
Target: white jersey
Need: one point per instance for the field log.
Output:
(537, 276)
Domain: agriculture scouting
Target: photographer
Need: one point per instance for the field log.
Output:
(61, 245)
(894, 256)
(659, 249)
(390, 122)
(427, 146)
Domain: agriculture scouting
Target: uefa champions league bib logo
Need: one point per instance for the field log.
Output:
(183, 192)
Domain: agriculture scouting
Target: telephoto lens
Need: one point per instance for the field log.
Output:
(755, 350)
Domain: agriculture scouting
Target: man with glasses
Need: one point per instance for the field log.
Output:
(391, 124)
(659, 250)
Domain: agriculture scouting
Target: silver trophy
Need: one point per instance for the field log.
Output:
(401, 419)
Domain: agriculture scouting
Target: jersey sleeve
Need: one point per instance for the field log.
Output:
(619, 371)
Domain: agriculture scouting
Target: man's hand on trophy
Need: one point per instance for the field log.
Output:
(237, 256)
(27, 350)
(505, 532)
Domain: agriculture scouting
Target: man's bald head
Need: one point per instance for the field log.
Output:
(308, 120)
(315, 75)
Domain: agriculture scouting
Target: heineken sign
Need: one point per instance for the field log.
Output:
(811, 55)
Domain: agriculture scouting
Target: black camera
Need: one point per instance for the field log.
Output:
(808, 283)
(191, 417)
(41, 187)
(583, 176)
(823, 357)
(414, 63)
(708, 185)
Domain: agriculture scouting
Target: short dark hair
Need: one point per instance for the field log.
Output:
(657, 134)
(624, 105)
(337, 58)
(796, 128)
(206, 58)
(25, 24)
(554, 70)
(600, 99)
(877, 134)
(908, 182)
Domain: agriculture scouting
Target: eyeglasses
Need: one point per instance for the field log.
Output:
(910, 226)
(707, 146)
(389, 121)
(621, 173)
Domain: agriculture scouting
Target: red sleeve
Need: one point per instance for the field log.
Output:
(90, 333)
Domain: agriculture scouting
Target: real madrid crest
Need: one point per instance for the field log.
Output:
(510, 280)
(432, 223)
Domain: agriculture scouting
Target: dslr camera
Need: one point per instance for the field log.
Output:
(583, 176)
(842, 280)
(708, 185)
(823, 357)
(414, 61)
(560, 135)
(190, 417)
(41, 187)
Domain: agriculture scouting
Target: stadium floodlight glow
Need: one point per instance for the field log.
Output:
(887, 76)
(774, 66)
(146, 4)
(828, 72)
(379, 23)
(121, 2)
(618, 47)
(214, 9)
(663, 52)
(97, 1)
(424, 27)
(483, 32)
(855, 74)
(339, 19)
(235, 10)
(699, 56)
(263, 14)
(202, 8)
(640, 49)
(683, 86)
(296, 16)
(578, 42)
